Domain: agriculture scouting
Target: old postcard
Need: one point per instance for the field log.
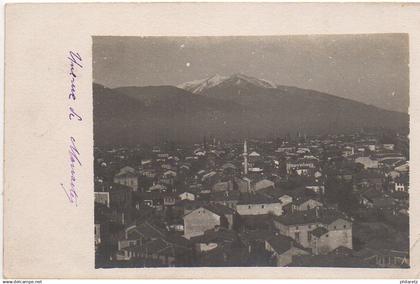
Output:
(199, 140)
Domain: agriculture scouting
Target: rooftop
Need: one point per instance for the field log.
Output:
(324, 216)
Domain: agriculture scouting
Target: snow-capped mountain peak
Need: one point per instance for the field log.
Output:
(199, 86)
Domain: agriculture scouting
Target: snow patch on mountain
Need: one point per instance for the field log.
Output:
(199, 86)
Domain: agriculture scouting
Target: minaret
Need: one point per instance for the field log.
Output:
(245, 154)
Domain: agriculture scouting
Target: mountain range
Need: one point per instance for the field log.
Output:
(230, 107)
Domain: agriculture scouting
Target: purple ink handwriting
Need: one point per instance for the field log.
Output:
(75, 67)
(74, 161)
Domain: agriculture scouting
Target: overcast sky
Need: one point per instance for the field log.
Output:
(368, 68)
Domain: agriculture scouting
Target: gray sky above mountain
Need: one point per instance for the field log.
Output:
(372, 69)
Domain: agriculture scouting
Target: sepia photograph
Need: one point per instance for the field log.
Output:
(251, 151)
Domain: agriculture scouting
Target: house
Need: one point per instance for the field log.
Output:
(149, 243)
(318, 174)
(199, 153)
(169, 174)
(335, 235)
(127, 176)
(207, 217)
(255, 170)
(112, 195)
(348, 151)
(303, 171)
(242, 185)
(226, 198)
(370, 179)
(185, 168)
(127, 169)
(264, 183)
(375, 199)
(146, 163)
(209, 178)
(293, 165)
(214, 238)
(258, 204)
(101, 231)
(388, 146)
(140, 232)
(302, 150)
(157, 188)
(228, 168)
(222, 186)
(388, 164)
(255, 239)
(393, 156)
(283, 249)
(187, 195)
(304, 228)
(367, 162)
(152, 199)
(361, 149)
(285, 149)
(162, 155)
(149, 173)
(392, 175)
(402, 167)
(224, 255)
(401, 184)
(316, 187)
(283, 197)
(169, 199)
(302, 204)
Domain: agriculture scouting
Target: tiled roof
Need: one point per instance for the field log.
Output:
(147, 230)
(282, 243)
(109, 186)
(256, 198)
(125, 174)
(324, 216)
(216, 235)
(224, 196)
(300, 201)
(219, 209)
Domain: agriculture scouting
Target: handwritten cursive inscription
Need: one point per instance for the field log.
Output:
(75, 61)
(74, 161)
(75, 64)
